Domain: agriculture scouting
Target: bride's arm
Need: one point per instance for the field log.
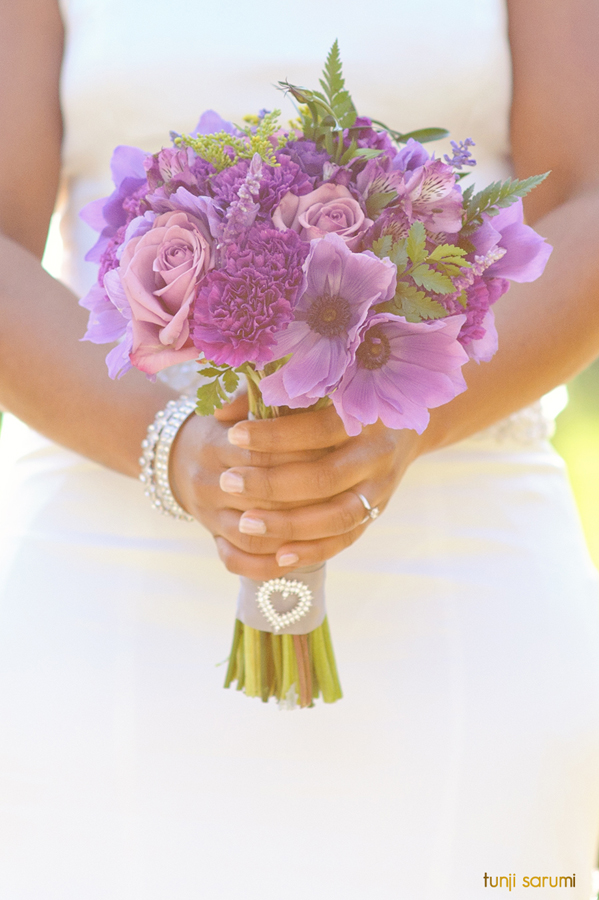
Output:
(48, 377)
(548, 330)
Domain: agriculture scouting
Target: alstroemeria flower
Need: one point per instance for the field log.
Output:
(433, 198)
(341, 288)
(400, 371)
(327, 210)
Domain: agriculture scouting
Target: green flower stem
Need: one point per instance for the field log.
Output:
(331, 658)
(277, 656)
(327, 675)
(232, 667)
(263, 659)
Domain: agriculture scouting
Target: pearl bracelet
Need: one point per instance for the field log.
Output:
(154, 460)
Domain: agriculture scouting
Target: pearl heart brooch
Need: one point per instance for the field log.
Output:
(283, 587)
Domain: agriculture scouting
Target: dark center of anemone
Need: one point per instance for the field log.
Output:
(329, 316)
(374, 351)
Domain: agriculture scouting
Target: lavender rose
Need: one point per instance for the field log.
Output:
(330, 209)
(159, 273)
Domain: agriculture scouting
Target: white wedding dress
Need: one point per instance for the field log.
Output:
(465, 620)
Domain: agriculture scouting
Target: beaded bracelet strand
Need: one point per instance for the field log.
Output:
(156, 448)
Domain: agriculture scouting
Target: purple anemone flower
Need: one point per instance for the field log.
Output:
(341, 288)
(400, 371)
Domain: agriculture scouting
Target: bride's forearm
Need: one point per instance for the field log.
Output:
(548, 330)
(58, 384)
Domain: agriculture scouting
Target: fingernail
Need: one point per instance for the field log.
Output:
(288, 559)
(231, 482)
(249, 525)
(239, 436)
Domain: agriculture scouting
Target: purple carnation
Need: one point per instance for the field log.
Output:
(240, 308)
(275, 182)
(368, 137)
(306, 155)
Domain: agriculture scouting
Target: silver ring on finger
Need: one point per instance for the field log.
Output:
(372, 512)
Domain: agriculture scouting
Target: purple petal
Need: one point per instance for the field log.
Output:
(485, 348)
(117, 360)
(527, 252)
(127, 162)
(211, 123)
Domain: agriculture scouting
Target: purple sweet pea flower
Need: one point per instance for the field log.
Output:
(410, 157)
(108, 214)
(341, 288)
(400, 371)
(211, 123)
(526, 251)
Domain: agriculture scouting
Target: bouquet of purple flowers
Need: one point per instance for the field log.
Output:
(332, 261)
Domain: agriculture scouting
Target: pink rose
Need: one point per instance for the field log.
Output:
(159, 272)
(329, 209)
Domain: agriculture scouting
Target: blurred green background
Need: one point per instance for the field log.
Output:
(577, 439)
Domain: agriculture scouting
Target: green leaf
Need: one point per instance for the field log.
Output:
(416, 244)
(230, 381)
(430, 280)
(209, 398)
(368, 153)
(424, 135)
(415, 305)
(399, 255)
(210, 372)
(333, 85)
(500, 194)
(349, 153)
(447, 253)
(382, 246)
(377, 202)
(467, 194)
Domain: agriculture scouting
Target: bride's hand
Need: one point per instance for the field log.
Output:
(289, 511)
(201, 453)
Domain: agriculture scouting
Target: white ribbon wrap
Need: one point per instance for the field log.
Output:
(291, 604)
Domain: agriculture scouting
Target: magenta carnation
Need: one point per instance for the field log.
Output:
(400, 371)
(241, 307)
